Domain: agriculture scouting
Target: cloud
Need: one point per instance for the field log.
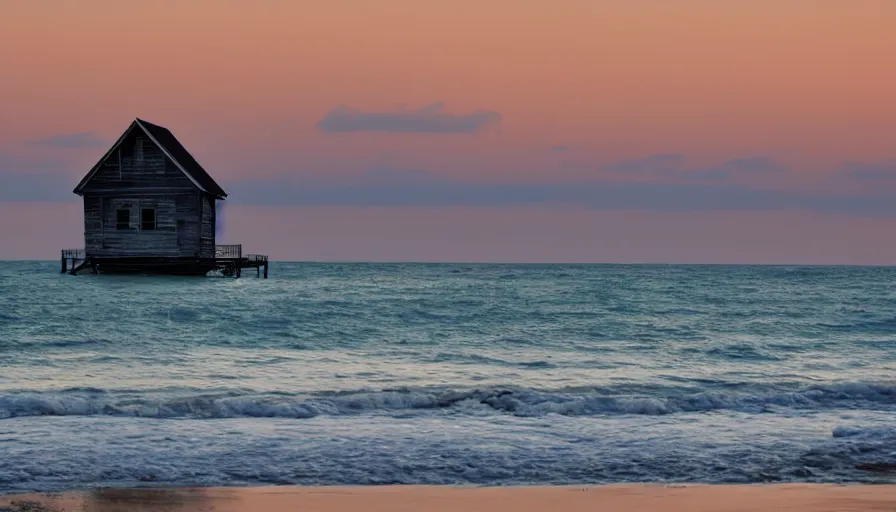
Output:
(394, 187)
(650, 164)
(673, 165)
(688, 190)
(10, 163)
(868, 172)
(426, 190)
(430, 119)
(559, 149)
(82, 140)
(752, 164)
(38, 187)
(37, 179)
(392, 174)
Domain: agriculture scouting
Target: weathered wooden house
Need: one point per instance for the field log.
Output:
(149, 207)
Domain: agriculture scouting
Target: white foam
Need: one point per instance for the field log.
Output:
(514, 401)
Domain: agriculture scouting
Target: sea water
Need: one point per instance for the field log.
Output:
(447, 374)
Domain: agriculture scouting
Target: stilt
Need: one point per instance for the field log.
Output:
(64, 264)
(265, 269)
(84, 264)
(257, 271)
(238, 269)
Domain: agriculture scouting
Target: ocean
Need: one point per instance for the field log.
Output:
(468, 374)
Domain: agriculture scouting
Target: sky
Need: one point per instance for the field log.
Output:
(634, 131)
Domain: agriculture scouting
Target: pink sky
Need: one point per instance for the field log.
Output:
(491, 130)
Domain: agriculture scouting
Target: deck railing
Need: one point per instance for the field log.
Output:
(73, 254)
(229, 260)
(229, 251)
(221, 251)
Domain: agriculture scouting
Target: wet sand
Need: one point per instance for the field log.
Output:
(624, 498)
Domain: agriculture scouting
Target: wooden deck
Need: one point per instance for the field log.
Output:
(229, 260)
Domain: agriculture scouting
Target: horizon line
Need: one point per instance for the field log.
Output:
(541, 263)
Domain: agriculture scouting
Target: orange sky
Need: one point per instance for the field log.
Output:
(808, 83)
(619, 78)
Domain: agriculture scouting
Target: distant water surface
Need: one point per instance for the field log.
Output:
(447, 374)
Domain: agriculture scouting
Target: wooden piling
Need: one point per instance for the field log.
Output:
(64, 264)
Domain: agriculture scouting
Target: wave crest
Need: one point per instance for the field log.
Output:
(512, 401)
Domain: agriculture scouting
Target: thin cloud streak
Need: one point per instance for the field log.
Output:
(36, 187)
(595, 195)
(674, 165)
(650, 164)
(81, 140)
(430, 119)
(869, 172)
(714, 188)
(753, 164)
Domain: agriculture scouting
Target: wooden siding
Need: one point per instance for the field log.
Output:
(207, 227)
(125, 170)
(187, 222)
(137, 176)
(175, 234)
(93, 223)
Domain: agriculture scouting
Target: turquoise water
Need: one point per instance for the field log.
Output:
(446, 374)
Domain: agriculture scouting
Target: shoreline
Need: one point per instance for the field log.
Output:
(412, 498)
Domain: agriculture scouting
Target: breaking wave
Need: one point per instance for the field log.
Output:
(523, 402)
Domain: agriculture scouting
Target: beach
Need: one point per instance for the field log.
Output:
(623, 498)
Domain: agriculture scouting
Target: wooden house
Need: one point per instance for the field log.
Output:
(149, 207)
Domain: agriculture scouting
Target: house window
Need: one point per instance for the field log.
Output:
(122, 219)
(138, 150)
(147, 219)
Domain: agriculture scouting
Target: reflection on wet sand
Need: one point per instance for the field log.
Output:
(155, 500)
(119, 500)
(621, 498)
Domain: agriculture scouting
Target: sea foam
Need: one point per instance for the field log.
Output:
(508, 401)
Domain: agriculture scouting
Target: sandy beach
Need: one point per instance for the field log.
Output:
(644, 498)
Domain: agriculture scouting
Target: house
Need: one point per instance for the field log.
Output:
(149, 207)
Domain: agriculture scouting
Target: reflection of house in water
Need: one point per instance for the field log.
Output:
(149, 207)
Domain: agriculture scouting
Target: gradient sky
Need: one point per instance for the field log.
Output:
(487, 130)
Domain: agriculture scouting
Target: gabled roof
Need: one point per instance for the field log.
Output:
(172, 148)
